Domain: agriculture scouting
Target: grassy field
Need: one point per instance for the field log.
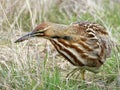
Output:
(35, 64)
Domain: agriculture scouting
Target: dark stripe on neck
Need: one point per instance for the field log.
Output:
(62, 37)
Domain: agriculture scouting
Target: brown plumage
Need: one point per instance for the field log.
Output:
(84, 44)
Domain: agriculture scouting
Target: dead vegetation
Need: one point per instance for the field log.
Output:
(35, 64)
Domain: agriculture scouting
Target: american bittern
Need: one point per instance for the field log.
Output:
(86, 45)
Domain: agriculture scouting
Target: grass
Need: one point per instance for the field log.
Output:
(34, 64)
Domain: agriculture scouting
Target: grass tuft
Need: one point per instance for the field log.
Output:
(34, 64)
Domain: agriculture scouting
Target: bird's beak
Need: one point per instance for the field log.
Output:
(29, 35)
(35, 33)
(25, 37)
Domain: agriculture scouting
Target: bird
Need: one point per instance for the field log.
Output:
(84, 44)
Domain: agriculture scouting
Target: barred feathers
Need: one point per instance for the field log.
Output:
(89, 46)
(81, 43)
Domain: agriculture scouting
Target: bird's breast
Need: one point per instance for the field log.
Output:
(78, 54)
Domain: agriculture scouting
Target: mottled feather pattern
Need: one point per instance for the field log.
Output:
(89, 44)
(81, 43)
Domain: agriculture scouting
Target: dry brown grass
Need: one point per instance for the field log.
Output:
(22, 66)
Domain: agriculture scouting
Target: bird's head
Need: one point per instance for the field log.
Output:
(40, 31)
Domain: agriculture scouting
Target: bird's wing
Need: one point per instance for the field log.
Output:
(95, 36)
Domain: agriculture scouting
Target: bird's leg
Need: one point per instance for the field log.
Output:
(82, 71)
(82, 74)
(71, 73)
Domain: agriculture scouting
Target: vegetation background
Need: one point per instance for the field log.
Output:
(34, 64)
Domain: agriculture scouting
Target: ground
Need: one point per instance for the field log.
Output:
(35, 64)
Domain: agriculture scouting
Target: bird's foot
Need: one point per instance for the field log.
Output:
(72, 73)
